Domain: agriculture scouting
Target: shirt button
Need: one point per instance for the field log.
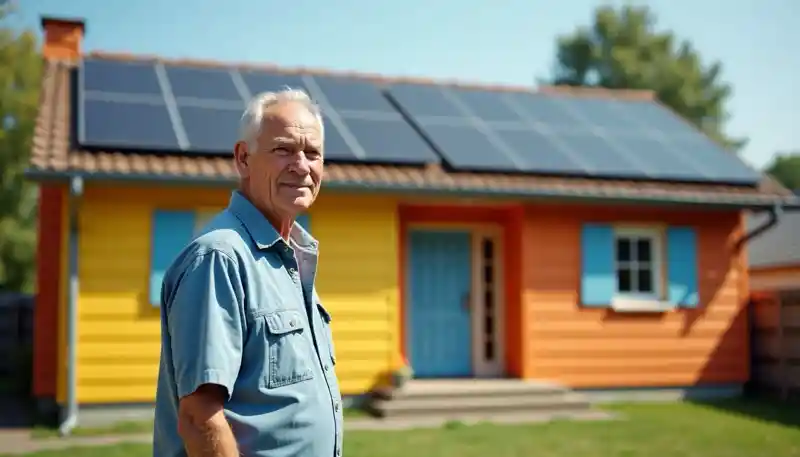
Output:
(292, 271)
(326, 367)
(336, 406)
(292, 324)
(338, 452)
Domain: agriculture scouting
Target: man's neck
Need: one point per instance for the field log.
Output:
(282, 225)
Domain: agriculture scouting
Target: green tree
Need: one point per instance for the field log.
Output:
(785, 168)
(20, 78)
(623, 50)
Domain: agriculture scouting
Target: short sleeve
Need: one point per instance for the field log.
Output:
(205, 323)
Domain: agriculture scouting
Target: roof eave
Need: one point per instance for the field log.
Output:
(561, 194)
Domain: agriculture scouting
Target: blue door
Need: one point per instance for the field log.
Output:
(438, 322)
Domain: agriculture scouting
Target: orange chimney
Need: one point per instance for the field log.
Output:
(62, 37)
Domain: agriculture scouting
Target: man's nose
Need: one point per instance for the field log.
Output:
(301, 164)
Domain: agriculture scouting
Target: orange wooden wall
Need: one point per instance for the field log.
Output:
(600, 348)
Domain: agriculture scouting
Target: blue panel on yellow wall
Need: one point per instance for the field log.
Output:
(682, 266)
(171, 231)
(598, 280)
(437, 322)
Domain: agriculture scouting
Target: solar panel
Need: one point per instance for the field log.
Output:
(548, 133)
(390, 141)
(120, 77)
(133, 105)
(542, 109)
(597, 113)
(353, 95)
(461, 128)
(203, 83)
(210, 130)
(540, 152)
(489, 106)
(261, 81)
(659, 159)
(127, 125)
(655, 117)
(718, 163)
(469, 148)
(599, 157)
(336, 148)
(373, 126)
(421, 101)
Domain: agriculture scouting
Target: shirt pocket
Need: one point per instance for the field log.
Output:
(290, 359)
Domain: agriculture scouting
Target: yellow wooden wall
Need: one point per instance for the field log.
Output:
(119, 331)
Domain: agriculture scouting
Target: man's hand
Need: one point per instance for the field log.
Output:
(202, 424)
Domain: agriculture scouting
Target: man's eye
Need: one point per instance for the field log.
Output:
(281, 151)
(312, 155)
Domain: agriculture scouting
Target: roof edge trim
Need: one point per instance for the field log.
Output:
(731, 202)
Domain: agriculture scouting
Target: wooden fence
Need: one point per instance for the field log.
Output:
(776, 343)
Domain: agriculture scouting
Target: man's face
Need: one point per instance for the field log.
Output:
(284, 174)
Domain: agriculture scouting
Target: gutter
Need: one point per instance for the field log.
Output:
(69, 418)
(775, 214)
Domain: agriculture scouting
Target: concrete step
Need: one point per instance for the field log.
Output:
(484, 388)
(478, 404)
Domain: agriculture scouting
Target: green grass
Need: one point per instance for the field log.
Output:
(135, 427)
(744, 428)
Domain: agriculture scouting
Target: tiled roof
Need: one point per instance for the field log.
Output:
(54, 155)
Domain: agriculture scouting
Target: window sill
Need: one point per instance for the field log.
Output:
(641, 305)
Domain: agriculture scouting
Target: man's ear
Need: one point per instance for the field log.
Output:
(241, 156)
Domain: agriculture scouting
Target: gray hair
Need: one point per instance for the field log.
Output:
(250, 125)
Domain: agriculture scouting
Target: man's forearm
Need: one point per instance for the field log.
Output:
(213, 438)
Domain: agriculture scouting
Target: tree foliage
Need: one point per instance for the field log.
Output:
(623, 50)
(20, 75)
(785, 168)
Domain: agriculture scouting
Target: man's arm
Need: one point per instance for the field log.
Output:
(206, 331)
(202, 424)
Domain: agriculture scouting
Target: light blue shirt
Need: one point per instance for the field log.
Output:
(239, 309)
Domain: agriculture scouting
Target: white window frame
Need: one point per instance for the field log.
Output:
(656, 237)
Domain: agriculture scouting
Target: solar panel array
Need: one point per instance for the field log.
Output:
(171, 108)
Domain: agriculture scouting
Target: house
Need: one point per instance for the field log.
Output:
(587, 237)
(775, 256)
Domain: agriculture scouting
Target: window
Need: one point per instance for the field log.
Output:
(637, 262)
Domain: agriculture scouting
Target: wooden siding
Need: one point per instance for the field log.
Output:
(119, 331)
(600, 348)
(358, 284)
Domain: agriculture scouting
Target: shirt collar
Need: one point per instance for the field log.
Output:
(261, 230)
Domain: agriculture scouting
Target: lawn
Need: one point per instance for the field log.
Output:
(744, 428)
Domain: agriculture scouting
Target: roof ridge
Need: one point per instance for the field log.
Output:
(584, 92)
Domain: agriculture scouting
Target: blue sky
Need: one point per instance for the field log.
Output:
(464, 39)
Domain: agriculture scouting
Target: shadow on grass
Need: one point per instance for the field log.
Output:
(757, 407)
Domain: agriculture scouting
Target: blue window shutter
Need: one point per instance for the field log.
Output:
(171, 232)
(682, 266)
(305, 221)
(598, 278)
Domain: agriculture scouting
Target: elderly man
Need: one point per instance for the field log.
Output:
(247, 360)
